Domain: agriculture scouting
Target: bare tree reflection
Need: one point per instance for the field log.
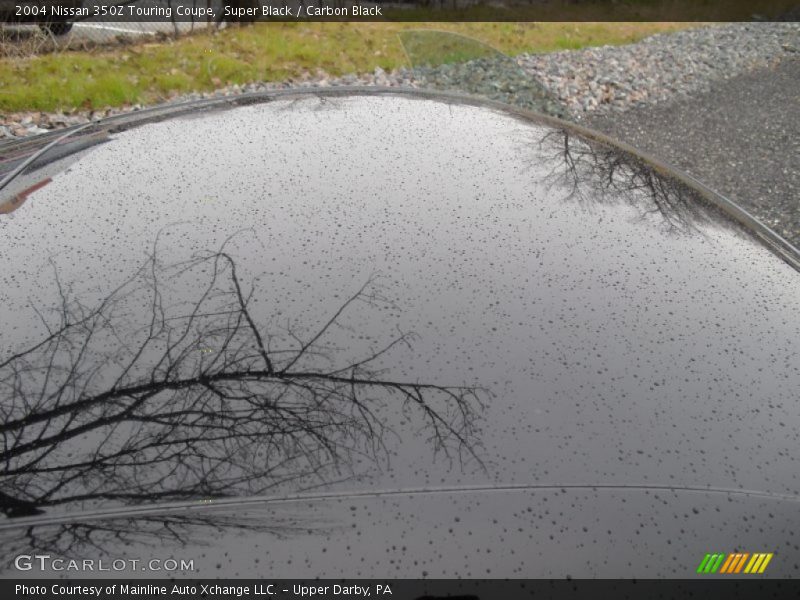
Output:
(79, 539)
(148, 396)
(595, 172)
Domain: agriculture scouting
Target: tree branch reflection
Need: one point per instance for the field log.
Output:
(80, 539)
(595, 172)
(148, 396)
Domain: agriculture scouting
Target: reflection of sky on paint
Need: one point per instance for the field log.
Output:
(616, 350)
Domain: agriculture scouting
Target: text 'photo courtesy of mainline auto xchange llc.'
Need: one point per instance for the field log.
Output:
(206, 590)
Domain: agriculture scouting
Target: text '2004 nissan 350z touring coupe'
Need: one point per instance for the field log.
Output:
(387, 334)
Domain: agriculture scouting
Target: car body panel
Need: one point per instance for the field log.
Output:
(618, 328)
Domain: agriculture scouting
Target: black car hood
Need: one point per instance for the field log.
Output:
(352, 292)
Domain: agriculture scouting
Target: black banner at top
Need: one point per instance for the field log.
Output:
(216, 11)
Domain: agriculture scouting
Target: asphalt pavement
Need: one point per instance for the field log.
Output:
(741, 138)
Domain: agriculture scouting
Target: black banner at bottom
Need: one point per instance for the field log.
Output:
(419, 589)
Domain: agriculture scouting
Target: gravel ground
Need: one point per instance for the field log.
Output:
(721, 102)
(662, 67)
(741, 137)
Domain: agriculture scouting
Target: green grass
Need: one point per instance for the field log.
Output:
(153, 72)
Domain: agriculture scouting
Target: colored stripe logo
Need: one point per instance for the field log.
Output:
(735, 563)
